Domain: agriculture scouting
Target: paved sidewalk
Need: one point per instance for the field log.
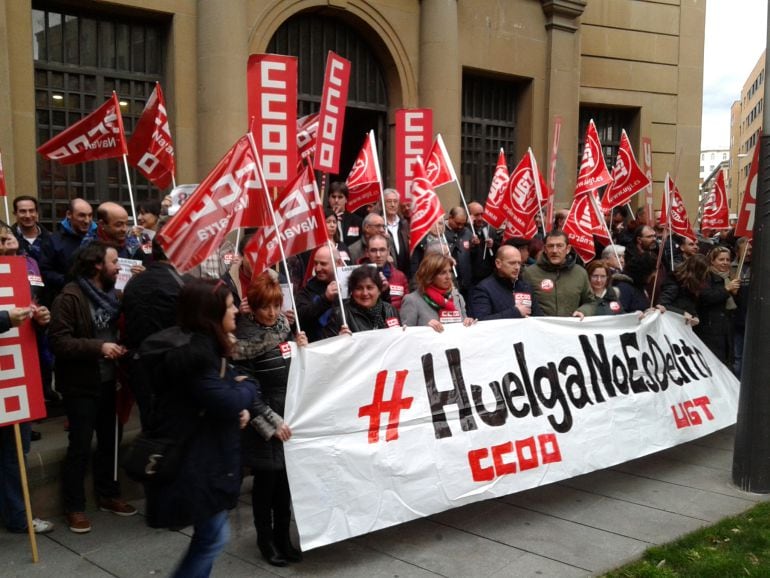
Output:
(579, 527)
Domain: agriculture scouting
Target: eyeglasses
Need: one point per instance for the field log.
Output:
(597, 277)
(377, 226)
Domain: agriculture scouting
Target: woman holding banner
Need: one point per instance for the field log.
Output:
(365, 309)
(262, 351)
(436, 301)
(716, 306)
(607, 297)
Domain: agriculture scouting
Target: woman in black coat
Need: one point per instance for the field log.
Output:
(200, 399)
(261, 350)
(364, 309)
(716, 306)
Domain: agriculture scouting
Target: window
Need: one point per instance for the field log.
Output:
(610, 122)
(488, 124)
(79, 61)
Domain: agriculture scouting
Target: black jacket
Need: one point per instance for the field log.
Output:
(313, 309)
(195, 392)
(357, 321)
(493, 298)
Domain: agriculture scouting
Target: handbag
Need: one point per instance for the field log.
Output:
(153, 459)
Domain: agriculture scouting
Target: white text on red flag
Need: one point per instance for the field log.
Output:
(414, 128)
(715, 212)
(151, 149)
(300, 220)
(98, 136)
(424, 206)
(272, 101)
(593, 172)
(493, 209)
(363, 182)
(627, 178)
(216, 207)
(745, 225)
(331, 119)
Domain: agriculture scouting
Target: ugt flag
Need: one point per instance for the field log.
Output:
(715, 211)
(424, 206)
(677, 214)
(593, 170)
(627, 178)
(493, 210)
(364, 181)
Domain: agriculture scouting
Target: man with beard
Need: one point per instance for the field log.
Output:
(645, 241)
(561, 287)
(83, 335)
(316, 300)
(112, 229)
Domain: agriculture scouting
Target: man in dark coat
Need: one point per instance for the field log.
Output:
(83, 335)
(316, 300)
(503, 295)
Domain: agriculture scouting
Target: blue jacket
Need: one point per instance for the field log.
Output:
(493, 298)
(56, 257)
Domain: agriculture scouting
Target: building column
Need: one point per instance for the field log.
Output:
(440, 72)
(222, 58)
(563, 89)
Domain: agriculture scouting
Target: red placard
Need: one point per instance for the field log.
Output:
(414, 130)
(21, 390)
(332, 116)
(271, 81)
(745, 225)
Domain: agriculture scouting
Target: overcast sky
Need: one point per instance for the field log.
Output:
(735, 39)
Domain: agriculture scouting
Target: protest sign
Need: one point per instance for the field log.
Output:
(21, 390)
(392, 425)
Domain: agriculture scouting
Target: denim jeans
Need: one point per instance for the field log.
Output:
(209, 539)
(12, 510)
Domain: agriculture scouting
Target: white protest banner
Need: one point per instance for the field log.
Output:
(393, 425)
(124, 273)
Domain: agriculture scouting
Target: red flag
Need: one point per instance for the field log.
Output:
(151, 149)
(627, 178)
(745, 225)
(715, 213)
(307, 129)
(520, 198)
(332, 116)
(509, 232)
(414, 127)
(680, 224)
(649, 213)
(424, 206)
(3, 190)
(231, 196)
(438, 168)
(364, 181)
(271, 82)
(98, 136)
(301, 224)
(493, 210)
(581, 225)
(593, 170)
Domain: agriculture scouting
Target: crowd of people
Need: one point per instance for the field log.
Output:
(220, 381)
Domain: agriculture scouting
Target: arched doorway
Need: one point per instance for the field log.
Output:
(309, 36)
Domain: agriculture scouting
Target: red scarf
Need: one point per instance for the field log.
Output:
(439, 300)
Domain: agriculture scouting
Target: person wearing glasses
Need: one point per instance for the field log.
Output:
(394, 283)
(607, 296)
(373, 224)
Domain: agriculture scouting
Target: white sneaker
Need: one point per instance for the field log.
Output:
(42, 526)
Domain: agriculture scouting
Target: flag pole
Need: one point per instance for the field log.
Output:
(275, 225)
(454, 178)
(7, 215)
(25, 492)
(377, 169)
(670, 228)
(538, 192)
(337, 280)
(130, 189)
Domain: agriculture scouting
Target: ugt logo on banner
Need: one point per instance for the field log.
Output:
(21, 391)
